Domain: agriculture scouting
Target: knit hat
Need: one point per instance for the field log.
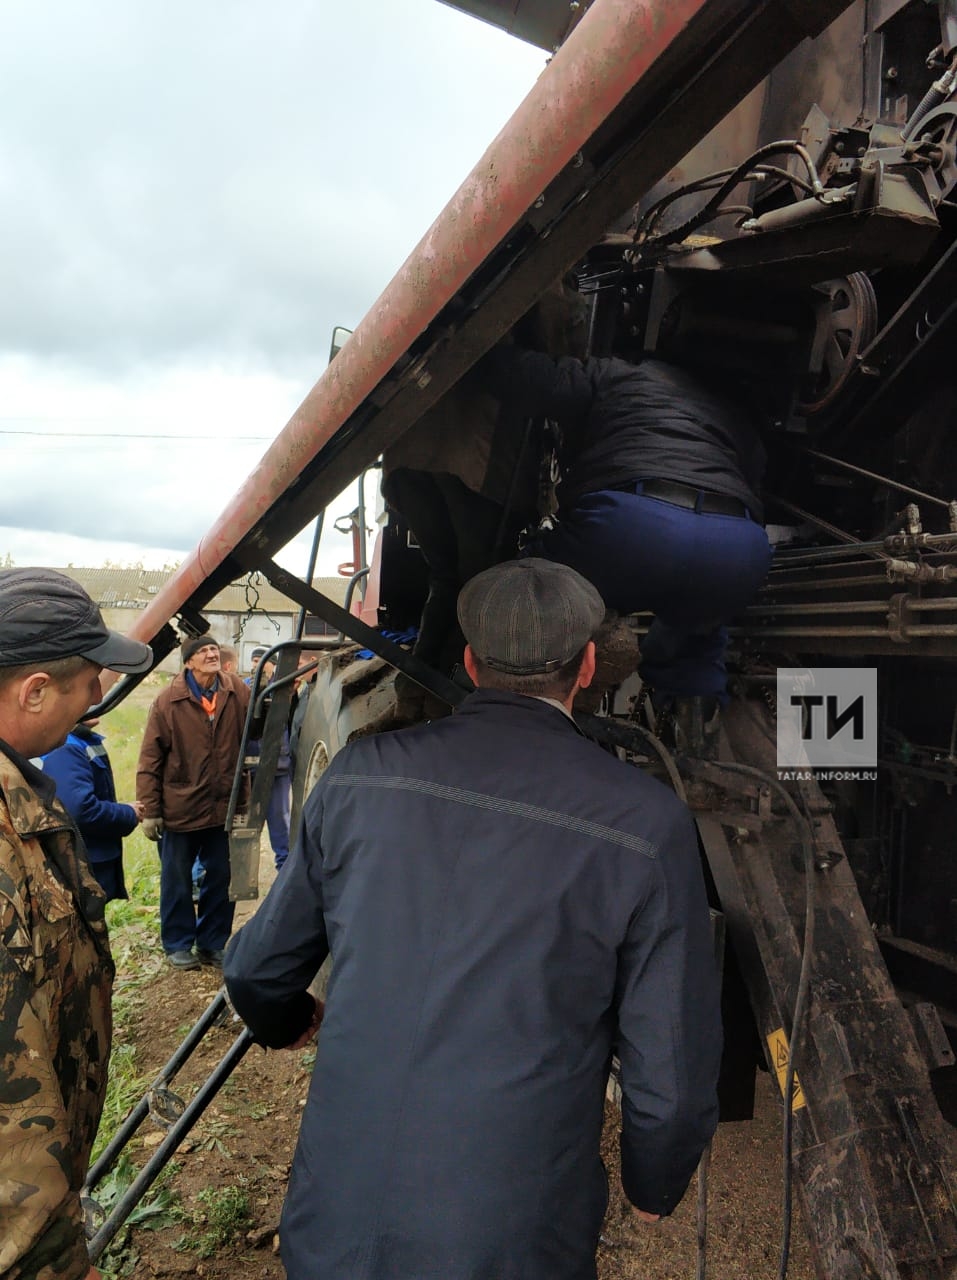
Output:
(44, 615)
(529, 617)
(194, 643)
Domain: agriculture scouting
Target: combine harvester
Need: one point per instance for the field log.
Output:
(775, 178)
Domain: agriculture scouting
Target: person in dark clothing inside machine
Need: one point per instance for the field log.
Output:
(506, 906)
(659, 501)
(465, 479)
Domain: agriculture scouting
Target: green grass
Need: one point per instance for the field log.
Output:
(224, 1213)
(133, 925)
(134, 938)
(123, 730)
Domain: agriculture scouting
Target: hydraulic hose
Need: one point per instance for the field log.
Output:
(938, 92)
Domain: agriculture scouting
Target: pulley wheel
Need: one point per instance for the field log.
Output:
(939, 129)
(849, 324)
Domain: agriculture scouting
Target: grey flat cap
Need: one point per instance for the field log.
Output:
(529, 617)
(45, 615)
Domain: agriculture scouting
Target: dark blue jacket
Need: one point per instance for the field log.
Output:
(506, 905)
(84, 786)
(624, 422)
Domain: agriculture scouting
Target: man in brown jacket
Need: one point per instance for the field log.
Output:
(184, 777)
(56, 972)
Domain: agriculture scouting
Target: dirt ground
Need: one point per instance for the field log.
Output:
(230, 1175)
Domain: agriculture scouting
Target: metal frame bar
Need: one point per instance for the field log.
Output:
(177, 1132)
(358, 631)
(216, 1008)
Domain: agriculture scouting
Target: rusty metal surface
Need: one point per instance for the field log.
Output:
(831, 80)
(875, 1162)
(637, 83)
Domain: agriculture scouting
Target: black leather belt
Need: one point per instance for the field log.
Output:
(683, 495)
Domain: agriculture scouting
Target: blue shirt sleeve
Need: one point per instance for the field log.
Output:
(74, 774)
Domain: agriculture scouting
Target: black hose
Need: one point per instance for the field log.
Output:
(938, 92)
(710, 182)
(702, 1214)
(735, 176)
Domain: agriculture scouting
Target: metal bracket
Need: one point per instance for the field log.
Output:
(931, 1035)
(358, 631)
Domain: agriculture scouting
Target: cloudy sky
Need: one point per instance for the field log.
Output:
(191, 197)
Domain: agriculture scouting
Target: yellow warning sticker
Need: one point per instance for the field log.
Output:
(778, 1045)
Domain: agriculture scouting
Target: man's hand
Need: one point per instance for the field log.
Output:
(647, 1217)
(152, 828)
(314, 1024)
(139, 808)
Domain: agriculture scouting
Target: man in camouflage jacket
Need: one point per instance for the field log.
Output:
(56, 972)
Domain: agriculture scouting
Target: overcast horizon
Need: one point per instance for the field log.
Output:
(189, 207)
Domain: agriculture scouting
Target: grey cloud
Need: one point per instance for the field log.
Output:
(204, 181)
(209, 187)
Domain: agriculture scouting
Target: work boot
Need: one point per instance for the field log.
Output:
(212, 958)
(616, 658)
(183, 959)
(697, 726)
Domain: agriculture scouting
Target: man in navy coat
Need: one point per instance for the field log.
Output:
(83, 775)
(506, 906)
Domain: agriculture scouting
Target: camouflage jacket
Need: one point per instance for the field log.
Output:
(56, 978)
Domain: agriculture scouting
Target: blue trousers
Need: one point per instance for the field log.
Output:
(209, 922)
(109, 875)
(278, 814)
(694, 571)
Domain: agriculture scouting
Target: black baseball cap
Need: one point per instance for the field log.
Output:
(44, 615)
(529, 617)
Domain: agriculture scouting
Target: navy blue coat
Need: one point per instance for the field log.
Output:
(506, 905)
(84, 786)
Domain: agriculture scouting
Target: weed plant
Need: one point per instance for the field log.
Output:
(160, 1208)
(223, 1213)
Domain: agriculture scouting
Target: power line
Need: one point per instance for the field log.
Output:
(126, 435)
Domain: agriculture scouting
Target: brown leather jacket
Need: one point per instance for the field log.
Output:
(187, 761)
